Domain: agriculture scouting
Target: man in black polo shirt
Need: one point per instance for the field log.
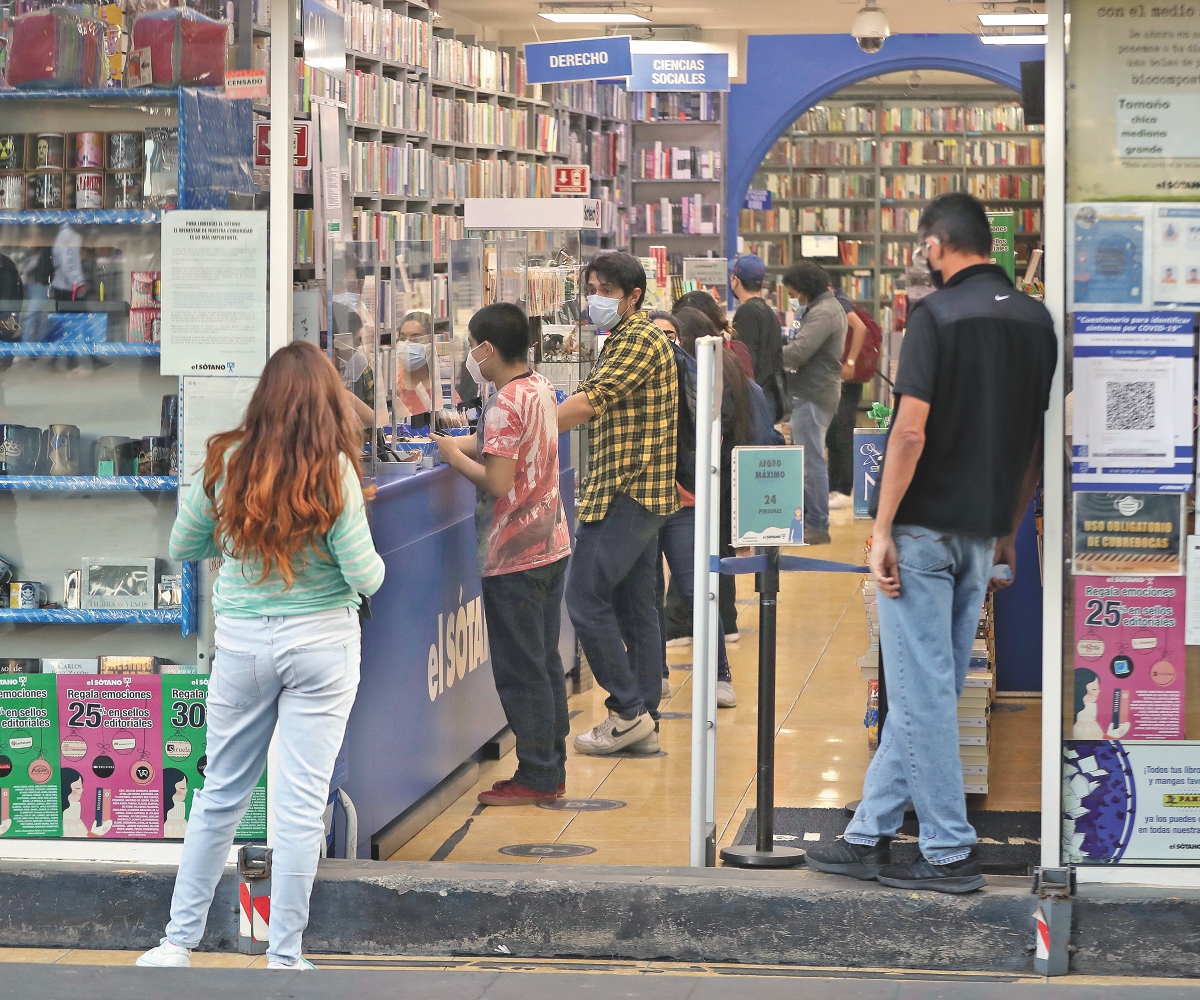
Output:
(963, 459)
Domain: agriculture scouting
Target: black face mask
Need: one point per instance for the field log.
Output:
(938, 281)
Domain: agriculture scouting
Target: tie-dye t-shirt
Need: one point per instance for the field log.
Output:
(527, 528)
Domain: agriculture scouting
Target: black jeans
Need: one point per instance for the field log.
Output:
(839, 440)
(611, 601)
(727, 589)
(677, 541)
(524, 611)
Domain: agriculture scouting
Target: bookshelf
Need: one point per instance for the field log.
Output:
(862, 164)
(678, 161)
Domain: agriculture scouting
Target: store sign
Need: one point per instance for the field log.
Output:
(1135, 98)
(245, 84)
(768, 495)
(1129, 534)
(1133, 402)
(214, 293)
(578, 59)
(572, 181)
(1128, 803)
(324, 39)
(1129, 658)
(1004, 250)
(301, 155)
(869, 446)
(707, 274)
(683, 71)
(757, 199)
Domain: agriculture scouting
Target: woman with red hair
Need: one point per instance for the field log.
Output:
(281, 502)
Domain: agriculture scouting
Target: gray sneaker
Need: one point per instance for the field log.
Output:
(647, 744)
(726, 696)
(614, 734)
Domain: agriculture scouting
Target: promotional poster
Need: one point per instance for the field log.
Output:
(1131, 803)
(1129, 658)
(29, 789)
(110, 739)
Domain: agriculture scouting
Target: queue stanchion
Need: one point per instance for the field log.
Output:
(765, 853)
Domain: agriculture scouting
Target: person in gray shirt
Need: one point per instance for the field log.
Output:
(813, 362)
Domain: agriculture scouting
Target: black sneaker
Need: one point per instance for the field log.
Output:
(844, 858)
(957, 876)
(816, 536)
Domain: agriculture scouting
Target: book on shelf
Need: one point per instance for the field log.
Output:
(822, 118)
(823, 152)
(856, 252)
(659, 162)
(690, 215)
(651, 106)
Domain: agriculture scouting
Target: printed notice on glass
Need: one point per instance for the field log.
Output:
(1108, 262)
(210, 406)
(1133, 402)
(1191, 617)
(214, 293)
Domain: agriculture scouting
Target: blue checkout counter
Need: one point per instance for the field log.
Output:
(426, 702)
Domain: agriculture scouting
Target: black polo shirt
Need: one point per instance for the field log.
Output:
(982, 355)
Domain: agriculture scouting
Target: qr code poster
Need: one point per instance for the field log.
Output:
(1128, 534)
(1133, 402)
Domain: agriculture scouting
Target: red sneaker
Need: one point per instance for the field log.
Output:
(562, 789)
(511, 794)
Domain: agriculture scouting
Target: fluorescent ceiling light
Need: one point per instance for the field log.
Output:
(1030, 19)
(1013, 39)
(598, 17)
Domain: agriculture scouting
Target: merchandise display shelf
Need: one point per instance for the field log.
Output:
(131, 95)
(82, 217)
(66, 349)
(75, 616)
(91, 484)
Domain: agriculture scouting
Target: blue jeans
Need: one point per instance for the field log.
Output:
(611, 600)
(810, 424)
(524, 612)
(676, 541)
(302, 672)
(927, 634)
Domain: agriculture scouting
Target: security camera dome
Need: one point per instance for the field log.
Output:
(870, 28)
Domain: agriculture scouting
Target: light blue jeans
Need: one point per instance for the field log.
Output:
(302, 672)
(927, 634)
(809, 426)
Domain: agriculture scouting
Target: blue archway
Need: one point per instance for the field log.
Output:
(787, 74)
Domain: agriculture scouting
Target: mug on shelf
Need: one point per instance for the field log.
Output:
(127, 457)
(12, 150)
(51, 150)
(125, 150)
(89, 189)
(154, 457)
(19, 447)
(108, 455)
(127, 190)
(46, 190)
(89, 150)
(63, 450)
(12, 191)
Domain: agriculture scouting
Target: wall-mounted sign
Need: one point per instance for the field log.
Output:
(572, 180)
(1129, 534)
(301, 156)
(687, 71)
(324, 39)
(1004, 251)
(757, 198)
(577, 59)
(245, 83)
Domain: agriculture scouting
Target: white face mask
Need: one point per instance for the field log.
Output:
(473, 368)
(605, 312)
(412, 355)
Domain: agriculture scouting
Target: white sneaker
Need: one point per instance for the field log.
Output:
(166, 956)
(839, 501)
(666, 688)
(684, 640)
(614, 734)
(726, 696)
(647, 744)
(302, 965)
(732, 637)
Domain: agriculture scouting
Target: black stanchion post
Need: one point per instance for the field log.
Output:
(765, 854)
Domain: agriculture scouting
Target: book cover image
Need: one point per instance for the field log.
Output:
(29, 787)
(110, 741)
(185, 758)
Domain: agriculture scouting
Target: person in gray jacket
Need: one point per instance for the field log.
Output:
(813, 362)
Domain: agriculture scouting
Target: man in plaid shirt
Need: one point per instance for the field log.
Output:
(631, 399)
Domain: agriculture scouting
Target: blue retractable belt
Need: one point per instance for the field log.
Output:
(733, 565)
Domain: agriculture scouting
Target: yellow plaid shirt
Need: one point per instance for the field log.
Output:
(634, 390)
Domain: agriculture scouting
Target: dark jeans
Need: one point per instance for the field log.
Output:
(676, 541)
(839, 439)
(611, 601)
(523, 612)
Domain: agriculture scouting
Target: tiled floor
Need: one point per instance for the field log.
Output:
(821, 746)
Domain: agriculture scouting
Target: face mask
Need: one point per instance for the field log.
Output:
(795, 304)
(473, 369)
(938, 281)
(604, 311)
(412, 355)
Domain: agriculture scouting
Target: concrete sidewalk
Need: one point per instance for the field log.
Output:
(797, 917)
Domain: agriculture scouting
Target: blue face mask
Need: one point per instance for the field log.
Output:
(411, 355)
(605, 312)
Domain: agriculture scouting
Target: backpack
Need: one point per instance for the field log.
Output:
(685, 435)
(762, 418)
(867, 362)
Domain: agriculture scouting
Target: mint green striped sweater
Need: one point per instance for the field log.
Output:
(346, 565)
